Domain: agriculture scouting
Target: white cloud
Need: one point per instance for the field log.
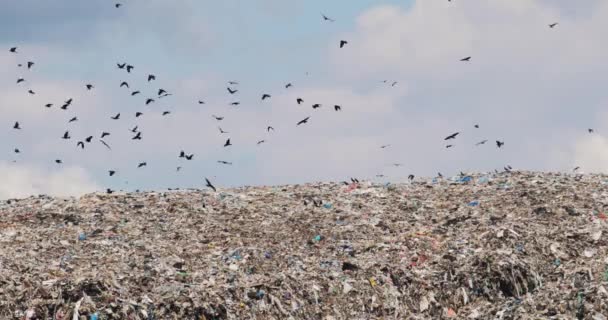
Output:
(25, 180)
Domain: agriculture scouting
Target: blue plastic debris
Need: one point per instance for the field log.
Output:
(557, 262)
(93, 316)
(236, 255)
(474, 203)
(260, 294)
(483, 179)
(318, 238)
(268, 255)
(82, 236)
(466, 179)
(327, 205)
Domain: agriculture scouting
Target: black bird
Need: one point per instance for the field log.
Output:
(166, 113)
(326, 18)
(31, 92)
(48, 105)
(574, 170)
(124, 84)
(261, 141)
(235, 103)
(222, 131)
(151, 77)
(225, 162)
(201, 102)
(385, 146)
(20, 80)
(89, 86)
(210, 185)
(129, 68)
(439, 175)
(466, 59)
(232, 83)
(137, 136)
(134, 130)
(476, 126)
(142, 164)
(134, 93)
(30, 64)
(64, 107)
(449, 146)
(305, 120)
(88, 139)
(13, 50)
(58, 161)
(80, 144)
(149, 101)
(16, 126)
(182, 154)
(315, 106)
(111, 172)
(137, 114)
(265, 96)
(232, 91)
(481, 142)
(452, 136)
(116, 6)
(105, 144)
(227, 143)
(553, 25)
(217, 118)
(343, 43)
(69, 101)
(165, 95)
(410, 177)
(104, 134)
(299, 100)
(66, 135)
(394, 84)
(500, 143)
(189, 156)
(269, 128)
(289, 85)
(121, 66)
(116, 117)
(178, 168)
(337, 108)
(73, 119)
(590, 130)
(161, 92)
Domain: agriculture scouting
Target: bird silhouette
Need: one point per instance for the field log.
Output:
(225, 162)
(31, 92)
(299, 100)
(222, 131)
(129, 68)
(16, 126)
(138, 114)
(305, 120)
(118, 5)
(590, 130)
(201, 102)
(20, 80)
(116, 117)
(17, 150)
(269, 128)
(137, 136)
(235, 103)
(261, 141)
(66, 135)
(289, 85)
(104, 134)
(134, 93)
(111, 172)
(265, 96)
(449, 146)
(315, 106)
(88, 139)
(149, 101)
(217, 118)
(58, 161)
(553, 25)
(161, 92)
(151, 77)
(466, 59)
(232, 91)
(166, 113)
(73, 119)
(476, 126)
(124, 84)
(343, 43)
(13, 50)
(337, 108)
(142, 164)
(134, 130)
(452, 136)
(48, 105)
(326, 18)
(227, 143)
(189, 156)
(481, 142)
(232, 83)
(30, 64)
(182, 154)
(105, 144)
(121, 66)
(89, 86)
(385, 146)
(500, 143)
(210, 185)
(80, 144)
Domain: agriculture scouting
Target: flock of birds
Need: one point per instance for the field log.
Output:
(232, 90)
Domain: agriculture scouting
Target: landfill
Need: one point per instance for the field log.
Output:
(511, 245)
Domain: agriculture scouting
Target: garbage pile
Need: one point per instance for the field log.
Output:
(517, 245)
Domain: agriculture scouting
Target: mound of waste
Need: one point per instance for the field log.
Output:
(519, 245)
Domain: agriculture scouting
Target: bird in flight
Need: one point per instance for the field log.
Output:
(232, 91)
(20, 80)
(189, 156)
(30, 64)
(66, 135)
(73, 119)
(235, 103)
(500, 143)
(553, 25)
(13, 50)
(138, 114)
(58, 161)
(227, 143)
(449, 146)
(466, 59)
(299, 100)
(124, 84)
(129, 68)
(142, 164)
(111, 172)
(80, 144)
(289, 85)
(337, 108)
(343, 43)
(89, 86)
(222, 131)
(265, 96)
(476, 126)
(16, 126)
(134, 130)
(210, 185)
(166, 113)
(452, 136)
(48, 105)
(385, 146)
(118, 5)
(17, 150)
(134, 93)
(305, 120)
(88, 139)
(232, 83)
(315, 106)
(261, 141)
(149, 101)
(151, 77)
(225, 162)
(31, 92)
(105, 144)
(161, 91)
(481, 142)
(217, 118)
(121, 66)
(104, 134)
(269, 128)
(137, 136)
(201, 102)
(590, 130)
(326, 18)
(116, 117)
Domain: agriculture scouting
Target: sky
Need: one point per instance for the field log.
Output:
(536, 88)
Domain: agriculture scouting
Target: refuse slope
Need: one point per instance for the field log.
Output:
(518, 245)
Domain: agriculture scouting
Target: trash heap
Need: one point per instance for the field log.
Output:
(518, 245)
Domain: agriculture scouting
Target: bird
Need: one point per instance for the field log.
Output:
(48, 105)
(233, 83)
(16, 126)
(89, 86)
(137, 136)
(104, 134)
(19, 80)
(65, 106)
(227, 143)
(449, 146)
(124, 84)
(58, 161)
(80, 144)
(30, 64)
(299, 100)
(481, 142)
(161, 92)
(31, 92)
(289, 85)
(343, 43)
(269, 128)
(111, 172)
(151, 77)
(142, 164)
(129, 68)
(121, 66)
(88, 139)
(394, 84)
(17, 150)
(178, 168)
(305, 120)
(466, 59)
(225, 162)
(210, 185)
(118, 5)
(476, 126)
(397, 164)
(265, 96)
(500, 143)
(217, 118)
(105, 144)
(553, 25)
(315, 106)
(452, 136)
(590, 130)
(235, 103)
(134, 93)
(232, 91)
(385, 146)
(134, 130)
(189, 156)
(326, 18)
(166, 113)
(201, 102)
(182, 154)
(137, 114)
(69, 101)
(574, 170)
(337, 108)
(73, 119)
(261, 141)
(149, 101)
(66, 135)
(116, 117)
(222, 131)
(13, 50)
(410, 177)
